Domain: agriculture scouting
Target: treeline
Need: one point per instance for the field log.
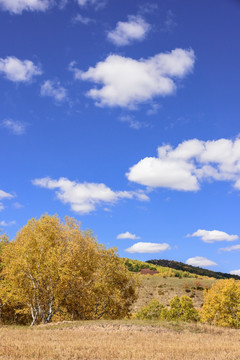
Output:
(136, 266)
(192, 269)
(54, 271)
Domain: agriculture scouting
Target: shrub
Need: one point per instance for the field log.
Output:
(180, 309)
(150, 312)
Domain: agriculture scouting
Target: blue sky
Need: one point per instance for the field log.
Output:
(125, 115)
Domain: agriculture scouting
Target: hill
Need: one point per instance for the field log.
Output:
(165, 288)
(167, 283)
(191, 269)
(136, 266)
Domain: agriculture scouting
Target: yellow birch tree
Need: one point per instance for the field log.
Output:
(53, 267)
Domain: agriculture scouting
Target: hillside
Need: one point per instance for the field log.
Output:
(136, 266)
(167, 283)
(191, 269)
(165, 288)
(174, 278)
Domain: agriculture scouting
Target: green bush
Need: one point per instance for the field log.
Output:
(180, 309)
(150, 312)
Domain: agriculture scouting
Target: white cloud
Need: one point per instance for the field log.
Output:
(125, 33)
(84, 197)
(83, 19)
(4, 195)
(127, 82)
(128, 235)
(54, 89)
(15, 127)
(18, 70)
(153, 109)
(235, 272)
(200, 261)
(148, 8)
(230, 248)
(148, 247)
(97, 4)
(190, 163)
(10, 223)
(18, 6)
(213, 235)
(132, 122)
(17, 205)
(169, 23)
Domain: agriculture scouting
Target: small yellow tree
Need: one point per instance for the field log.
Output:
(222, 304)
(181, 309)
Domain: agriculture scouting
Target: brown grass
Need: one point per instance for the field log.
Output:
(119, 340)
(164, 289)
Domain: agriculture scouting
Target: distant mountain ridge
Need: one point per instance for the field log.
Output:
(192, 269)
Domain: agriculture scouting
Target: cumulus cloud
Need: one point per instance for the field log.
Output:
(213, 235)
(128, 235)
(10, 223)
(127, 82)
(189, 164)
(148, 247)
(18, 6)
(15, 127)
(125, 33)
(18, 70)
(84, 197)
(235, 272)
(200, 261)
(54, 89)
(4, 195)
(230, 248)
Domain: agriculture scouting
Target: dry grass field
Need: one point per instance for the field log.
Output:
(119, 340)
(164, 289)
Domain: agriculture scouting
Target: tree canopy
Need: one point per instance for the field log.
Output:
(222, 304)
(53, 269)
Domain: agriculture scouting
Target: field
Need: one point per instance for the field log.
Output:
(164, 289)
(127, 339)
(119, 340)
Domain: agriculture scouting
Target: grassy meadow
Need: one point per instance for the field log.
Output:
(119, 340)
(127, 339)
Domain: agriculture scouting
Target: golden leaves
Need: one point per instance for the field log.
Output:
(54, 267)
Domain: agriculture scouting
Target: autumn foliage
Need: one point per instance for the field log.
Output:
(179, 309)
(55, 270)
(222, 304)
